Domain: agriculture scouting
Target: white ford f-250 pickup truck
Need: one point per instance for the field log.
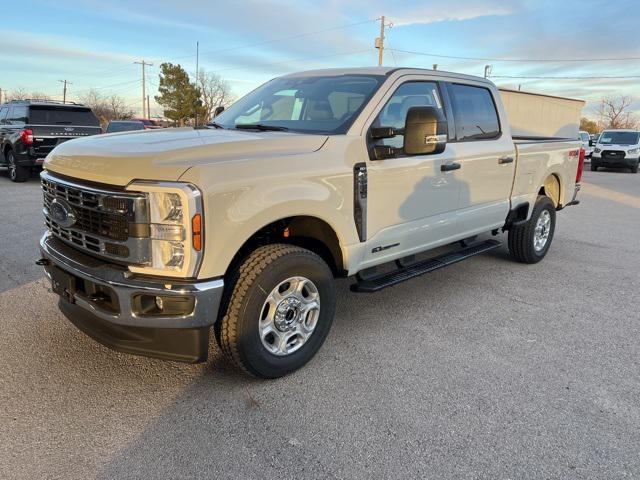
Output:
(155, 237)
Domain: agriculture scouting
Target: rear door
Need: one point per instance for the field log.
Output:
(53, 125)
(487, 154)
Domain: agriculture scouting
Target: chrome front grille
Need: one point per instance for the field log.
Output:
(112, 224)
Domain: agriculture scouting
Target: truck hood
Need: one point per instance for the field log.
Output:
(164, 155)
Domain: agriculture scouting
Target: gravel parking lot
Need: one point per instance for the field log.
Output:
(486, 369)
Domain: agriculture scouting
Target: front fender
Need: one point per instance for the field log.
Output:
(248, 200)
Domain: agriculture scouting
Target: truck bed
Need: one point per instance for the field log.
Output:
(539, 158)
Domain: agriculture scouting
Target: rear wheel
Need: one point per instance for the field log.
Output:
(17, 173)
(530, 242)
(279, 312)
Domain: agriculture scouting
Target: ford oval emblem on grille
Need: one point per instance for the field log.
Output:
(62, 213)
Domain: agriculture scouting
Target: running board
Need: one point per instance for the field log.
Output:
(385, 280)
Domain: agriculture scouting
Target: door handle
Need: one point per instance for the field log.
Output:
(447, 167)
(504, 160)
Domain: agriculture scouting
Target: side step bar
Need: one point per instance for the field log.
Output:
(385, 280)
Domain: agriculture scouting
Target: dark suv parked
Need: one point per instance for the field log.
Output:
(30, 129)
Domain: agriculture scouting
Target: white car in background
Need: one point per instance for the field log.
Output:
(586, 143)
(617, 149)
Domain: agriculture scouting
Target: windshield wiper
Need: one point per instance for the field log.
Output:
(261, 127)
(214, 124)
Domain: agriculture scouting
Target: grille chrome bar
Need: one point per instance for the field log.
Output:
(108, 224)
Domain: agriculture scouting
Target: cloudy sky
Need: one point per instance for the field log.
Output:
(93, 43)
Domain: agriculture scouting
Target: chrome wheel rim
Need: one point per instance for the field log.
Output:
(12, 167)
(541, 232)
(289, 316)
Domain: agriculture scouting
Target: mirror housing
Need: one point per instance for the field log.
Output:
(425, 131)
(218, 111)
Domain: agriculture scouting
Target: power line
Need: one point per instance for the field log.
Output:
(281, 39)
(293, 60)
(486, 59)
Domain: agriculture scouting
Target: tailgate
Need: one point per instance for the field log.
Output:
(46, 138)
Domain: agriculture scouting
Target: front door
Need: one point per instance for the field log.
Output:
(410, 199)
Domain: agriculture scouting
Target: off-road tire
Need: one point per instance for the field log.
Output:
(634, 168)
(521, 236)
(594, 167)
(260, 272)
(17, 173)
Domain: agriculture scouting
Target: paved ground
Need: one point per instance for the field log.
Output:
(487, 369)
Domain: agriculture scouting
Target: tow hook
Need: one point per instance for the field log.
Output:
(43, 262)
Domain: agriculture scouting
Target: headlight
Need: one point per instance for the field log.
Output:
(633, 151)
(175, 228)
(596, 150)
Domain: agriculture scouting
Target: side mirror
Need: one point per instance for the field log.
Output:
(425, 131)
(218, 111)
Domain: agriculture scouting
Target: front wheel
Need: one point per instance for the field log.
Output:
(634, 168)
(594, 167)
(279, 312)
(530, 242)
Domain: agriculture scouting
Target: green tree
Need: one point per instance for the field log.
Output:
(179, 97)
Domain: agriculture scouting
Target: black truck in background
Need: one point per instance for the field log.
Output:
(30, 129)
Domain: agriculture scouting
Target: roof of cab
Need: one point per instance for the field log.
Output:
(387, 71)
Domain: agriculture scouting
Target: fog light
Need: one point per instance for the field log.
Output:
(165, 305)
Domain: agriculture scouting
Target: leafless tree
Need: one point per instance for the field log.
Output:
(214, 92)
(614, 112)
(17, 94)
(106, 107)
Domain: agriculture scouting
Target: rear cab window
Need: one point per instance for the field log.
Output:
(474, 111)
(52, 115)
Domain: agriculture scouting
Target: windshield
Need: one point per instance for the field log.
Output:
(62, 116)
(315, 104)
(619, 138)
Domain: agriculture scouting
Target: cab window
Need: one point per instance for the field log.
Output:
(474, 112)
(394, 113)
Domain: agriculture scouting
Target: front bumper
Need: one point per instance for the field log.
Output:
(626, 162)
(105, 303)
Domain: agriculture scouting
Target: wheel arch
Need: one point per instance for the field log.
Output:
(307, 231)
(552, 188)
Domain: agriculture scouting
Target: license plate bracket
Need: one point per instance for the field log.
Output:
(63, 284)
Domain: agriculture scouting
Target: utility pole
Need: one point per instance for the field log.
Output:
(148, 107)
(380, 41)
(64, 90)
(197, 73)
(144, 93)
(0, 95)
